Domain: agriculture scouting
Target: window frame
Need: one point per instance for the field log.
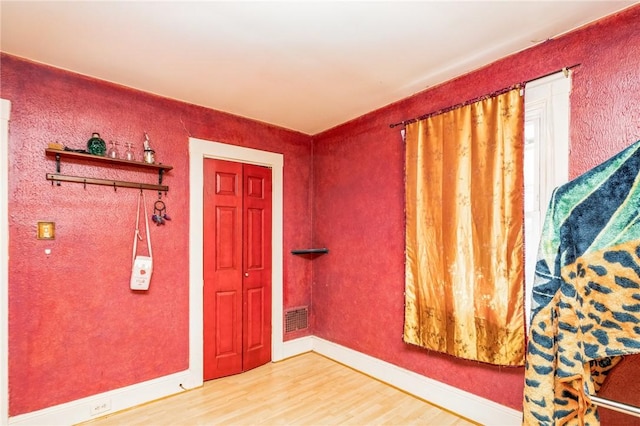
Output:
(547, 101)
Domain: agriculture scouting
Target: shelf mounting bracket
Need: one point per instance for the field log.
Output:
(57, 168)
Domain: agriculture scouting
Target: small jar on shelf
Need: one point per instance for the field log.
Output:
(96, 145)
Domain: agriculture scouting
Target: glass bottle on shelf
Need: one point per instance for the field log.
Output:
(129, 154)
(149, 154)
(112, 152)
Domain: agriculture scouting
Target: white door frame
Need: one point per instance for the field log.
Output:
(199, 150)
(5, 110)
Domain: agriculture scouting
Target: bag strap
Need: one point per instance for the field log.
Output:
(136, 234)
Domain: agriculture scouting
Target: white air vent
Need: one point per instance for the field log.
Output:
(296, 319)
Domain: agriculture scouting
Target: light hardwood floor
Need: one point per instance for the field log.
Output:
(308, 389)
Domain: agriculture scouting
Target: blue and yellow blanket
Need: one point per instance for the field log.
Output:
(586, 295)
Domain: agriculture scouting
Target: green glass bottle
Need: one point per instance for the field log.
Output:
(96, 145)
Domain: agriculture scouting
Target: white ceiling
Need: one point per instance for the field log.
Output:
(306, 65)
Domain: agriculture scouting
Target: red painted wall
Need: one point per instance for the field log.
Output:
(75, 328)
(358, 193)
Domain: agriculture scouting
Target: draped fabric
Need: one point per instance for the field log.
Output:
(464, 231)
(586, 294)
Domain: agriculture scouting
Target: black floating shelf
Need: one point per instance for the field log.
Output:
(314, 251)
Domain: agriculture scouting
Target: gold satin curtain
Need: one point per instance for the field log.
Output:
(464, 231)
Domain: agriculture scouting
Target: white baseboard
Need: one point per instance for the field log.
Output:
(81, 410)
(296, 347)
(463, 403)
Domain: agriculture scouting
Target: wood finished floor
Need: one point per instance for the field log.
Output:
(304, 390)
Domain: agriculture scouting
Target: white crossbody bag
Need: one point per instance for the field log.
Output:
(142, 265)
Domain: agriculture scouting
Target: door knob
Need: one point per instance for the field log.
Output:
(246, 274)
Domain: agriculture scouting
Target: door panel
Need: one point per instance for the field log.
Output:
(222, 316)
(255, 325)
(237, 267)
(226, 320)
(257, 264)
(255, 243)
(226, 228)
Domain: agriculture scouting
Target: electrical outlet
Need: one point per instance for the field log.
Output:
(100, 406)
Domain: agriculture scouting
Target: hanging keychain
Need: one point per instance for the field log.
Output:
(160, 215)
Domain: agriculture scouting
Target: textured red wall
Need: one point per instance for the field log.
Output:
(358, 193)
(75, 328)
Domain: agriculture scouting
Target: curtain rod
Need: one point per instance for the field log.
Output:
(632, 410)
(565, 70)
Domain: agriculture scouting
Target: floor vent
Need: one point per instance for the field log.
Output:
(296, 319)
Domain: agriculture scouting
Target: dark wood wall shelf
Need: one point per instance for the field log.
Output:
(311, 253)
(72, 155)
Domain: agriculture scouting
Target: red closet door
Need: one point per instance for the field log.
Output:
(237, 267)
(257, 267)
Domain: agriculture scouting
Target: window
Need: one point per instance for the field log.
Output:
(546, 160)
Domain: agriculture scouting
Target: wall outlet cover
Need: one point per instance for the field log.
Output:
(101, 406)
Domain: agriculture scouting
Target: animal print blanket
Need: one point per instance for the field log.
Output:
(586, 296)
